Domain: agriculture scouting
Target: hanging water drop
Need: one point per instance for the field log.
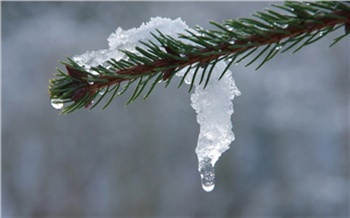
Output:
(57, 103)
(102, 91)
(229, 60)
(207, 172)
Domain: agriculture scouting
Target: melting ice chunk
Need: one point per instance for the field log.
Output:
(207, 172)
(213, 105)
(214, 108)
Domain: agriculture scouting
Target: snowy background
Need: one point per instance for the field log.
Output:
(290, 156)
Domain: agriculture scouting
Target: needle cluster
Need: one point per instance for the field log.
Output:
(289, 26)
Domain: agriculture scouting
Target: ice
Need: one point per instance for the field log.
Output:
(207, 173)
(129, 39)
(213, 105)
(214, 108)
(102, 91)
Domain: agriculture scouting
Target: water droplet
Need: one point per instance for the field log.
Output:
(321, 33)
(278, 47)
(102, 91)
(231, 42)
(207, 172)
(106, 65)
(57, 103)
(280, 25)
(229, 60)
(91, 83)
(229, 27)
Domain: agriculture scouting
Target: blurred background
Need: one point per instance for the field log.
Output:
(290, 156)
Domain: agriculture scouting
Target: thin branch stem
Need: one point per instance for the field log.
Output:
(234, 41)
(226, 49)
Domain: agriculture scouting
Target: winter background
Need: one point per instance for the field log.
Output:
(290, 156)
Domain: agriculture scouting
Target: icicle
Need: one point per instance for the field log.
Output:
(214, 109)
(207, 173)
(213, 105)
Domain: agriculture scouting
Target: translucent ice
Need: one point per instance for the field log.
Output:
(214, 108)
(207, 173)
(57, 103)
(129, 39)
(213, 105)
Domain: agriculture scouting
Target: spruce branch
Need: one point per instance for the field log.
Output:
(262, 37)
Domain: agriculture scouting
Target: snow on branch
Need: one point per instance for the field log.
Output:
(163, 52)
(162, 48)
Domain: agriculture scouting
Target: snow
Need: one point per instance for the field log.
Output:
(129, 39)
(213, 105)
(214, 108)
